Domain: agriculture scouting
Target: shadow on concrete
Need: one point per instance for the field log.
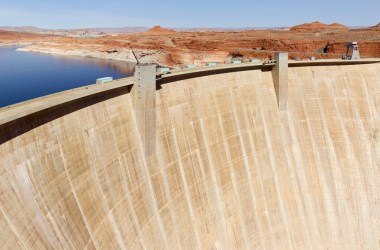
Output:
(264, 68)
(324, 63)
(17, 127)
(211, 71)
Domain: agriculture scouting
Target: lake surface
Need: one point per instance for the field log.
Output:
(27, 75)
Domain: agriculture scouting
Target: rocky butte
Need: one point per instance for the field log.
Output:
(158, 30)
(283, 155)
(318, 26)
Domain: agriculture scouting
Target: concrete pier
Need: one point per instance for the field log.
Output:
(145, 105)
(280, 78)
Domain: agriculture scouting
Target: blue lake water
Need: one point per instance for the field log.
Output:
(27, 75)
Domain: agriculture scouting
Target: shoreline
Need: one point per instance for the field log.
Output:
(156, 56)
(96, 52)
(16, 44)
(121, 57)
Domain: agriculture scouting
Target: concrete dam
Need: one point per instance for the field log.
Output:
(214, 164)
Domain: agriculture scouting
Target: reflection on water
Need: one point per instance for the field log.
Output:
(27, 75)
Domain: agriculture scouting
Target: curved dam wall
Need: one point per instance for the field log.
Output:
(230, 170)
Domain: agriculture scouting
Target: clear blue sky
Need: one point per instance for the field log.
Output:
(191, 13)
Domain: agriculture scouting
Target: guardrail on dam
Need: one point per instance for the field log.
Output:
(229, 168)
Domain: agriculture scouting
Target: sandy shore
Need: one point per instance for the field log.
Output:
(119, 54)
(3, 44)
(124, 55)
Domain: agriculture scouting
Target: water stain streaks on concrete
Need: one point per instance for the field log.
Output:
(229, 170)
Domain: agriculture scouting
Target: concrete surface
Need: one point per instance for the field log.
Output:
(144, 92)
(280, 79)
(230, 171)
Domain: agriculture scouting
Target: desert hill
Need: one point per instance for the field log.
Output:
(159, 30)
(318, 26)
(376, 27)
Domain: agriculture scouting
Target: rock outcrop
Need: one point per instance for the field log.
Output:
(376, 27)
(159, 30)
(318, 26)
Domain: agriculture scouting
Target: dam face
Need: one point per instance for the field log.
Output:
(229, 170)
